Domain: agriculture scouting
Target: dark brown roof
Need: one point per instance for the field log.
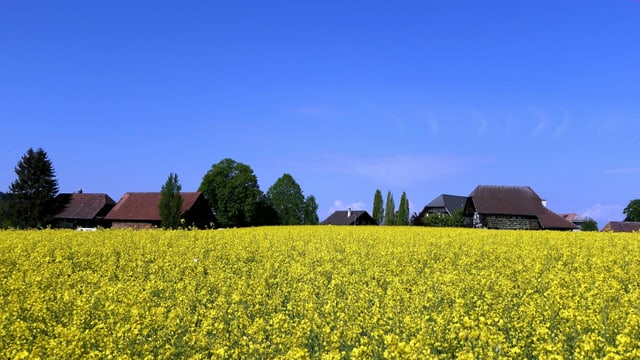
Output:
(341, 217)
(622, 226)
(517, 201)
(450, 203)
(143, 206)
(83, 206)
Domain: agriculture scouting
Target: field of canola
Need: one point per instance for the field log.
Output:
(319, 293)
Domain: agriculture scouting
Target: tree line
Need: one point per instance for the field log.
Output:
(230, 187)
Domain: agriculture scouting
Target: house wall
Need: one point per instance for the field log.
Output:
(132, 225)
(511, 222)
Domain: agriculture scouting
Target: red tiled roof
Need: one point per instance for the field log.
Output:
(517, 201)
(83, 206)
(144, 206)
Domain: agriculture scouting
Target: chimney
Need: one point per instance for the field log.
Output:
(349, 212)
(544, 202)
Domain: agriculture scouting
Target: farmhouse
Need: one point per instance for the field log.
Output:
(139, 210)
(349, 217)
(444, 205)
(622, 226)
(511, 207)
(82, 210)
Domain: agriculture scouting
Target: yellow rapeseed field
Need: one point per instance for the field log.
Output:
(319, 293)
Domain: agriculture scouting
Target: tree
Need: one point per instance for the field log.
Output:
(30, 202)
(233, 193)
(390, 210)
(310, 211)
(378, 207)
(4, 220)
(632, 211)
(170, 203)
(285, 196)
(589, 225)
(402, 218)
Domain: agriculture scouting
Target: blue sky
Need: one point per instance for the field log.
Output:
(427, 97)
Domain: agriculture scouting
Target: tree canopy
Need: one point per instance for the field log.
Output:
(310, 211)
(286, 198)
(403, 210)
(170, 203)
(378, 207)
(390, 210)
(632, 211)
(589, 224)
(233, 193)
(30, 202)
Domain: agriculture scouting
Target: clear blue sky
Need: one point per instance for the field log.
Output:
(427, 97)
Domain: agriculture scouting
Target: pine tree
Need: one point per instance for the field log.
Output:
(378, 207)
(403, 210)
(30, 202)
(170, 203)
(390, 210)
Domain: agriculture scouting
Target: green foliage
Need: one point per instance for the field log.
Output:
(632, 211)
(311, 211)
(4, 220)
(233, 193)
(170, 203)
(444, 220)
(402, 218)
(390, 210)
(589, 225)
(30, 202)
(285, 196)
(378, 207)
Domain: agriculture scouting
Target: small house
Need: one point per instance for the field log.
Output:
(622, 226)
(80, 210)
(139, 210)
(350, 217)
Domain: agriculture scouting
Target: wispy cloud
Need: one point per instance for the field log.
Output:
(623, 171)
(603, 213)
(400, 170)
(541, 123)
(340, 205)
(563, 126)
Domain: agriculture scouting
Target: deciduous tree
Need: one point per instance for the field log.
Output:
(310, 211)
(390, 210)
(402, 217)
(632, 211)
(233, 193)
(170, 203)
(589, 224)
(378, 207)
(285, 196)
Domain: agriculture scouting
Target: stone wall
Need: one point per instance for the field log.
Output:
(512, 222)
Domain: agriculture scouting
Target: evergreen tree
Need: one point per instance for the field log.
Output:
(402, 217)
(311, 211)
(170, 203)
(390, 210)
(285, 196)
(30, 202)
(378, 207)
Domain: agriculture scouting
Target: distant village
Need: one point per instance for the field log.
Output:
(487, 207)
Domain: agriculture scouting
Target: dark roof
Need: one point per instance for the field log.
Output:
(143, 206)
(622, 226)
(449, 202)
(82, 206)
(341, 217)
(516, 201)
